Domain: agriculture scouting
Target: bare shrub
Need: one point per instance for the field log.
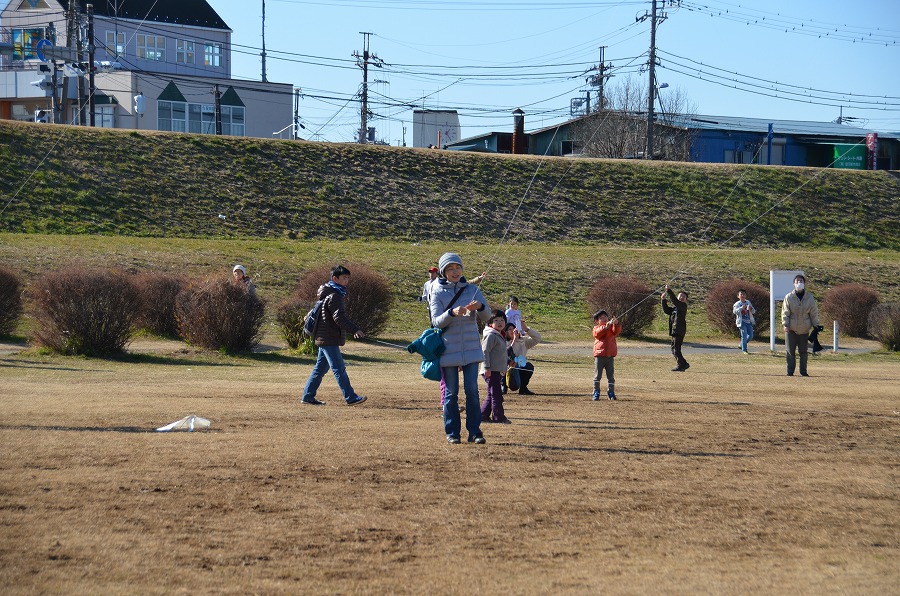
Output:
(850, 305)
(884, 325)
(82, 311)
(218, 313)
(10, 300)
(630, 300)
(289, 316)
(368, 302)
(158, 292)
(721, 299)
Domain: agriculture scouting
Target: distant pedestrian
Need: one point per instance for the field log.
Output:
(513, 314)
(493, 344)
(426, 287)
(240, 275)
(799, 315)
(330, 335)
(605, 351)
(677, 324)
(456, 306)
(743, 317)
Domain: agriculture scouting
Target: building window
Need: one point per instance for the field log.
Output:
(743, 157)
(151, 47)
(172, 116)
(178, 116)
(115, 44)
(24, 42)
(233, 121)
(184, 51)
(105, 116)
(212, 55)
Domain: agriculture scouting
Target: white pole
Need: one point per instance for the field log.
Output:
(772, 310)
(836, 329)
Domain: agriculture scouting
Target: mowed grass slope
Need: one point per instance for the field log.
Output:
(73, 180)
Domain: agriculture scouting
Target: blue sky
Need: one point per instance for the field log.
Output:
(796, 60)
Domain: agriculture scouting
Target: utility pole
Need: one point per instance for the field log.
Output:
(263, 54)
(70, 37)
(296, 113)
(363, 62)
(217, 107)
(91, 81)
(599, 80)
(651, 93)
(79, 43)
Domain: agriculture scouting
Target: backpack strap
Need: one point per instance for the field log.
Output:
(456, 297)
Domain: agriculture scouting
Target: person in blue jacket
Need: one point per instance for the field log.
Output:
(456, 306)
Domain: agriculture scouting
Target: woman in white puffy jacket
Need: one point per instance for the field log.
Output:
(456, 305)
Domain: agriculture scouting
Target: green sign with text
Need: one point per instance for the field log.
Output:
(850, 157)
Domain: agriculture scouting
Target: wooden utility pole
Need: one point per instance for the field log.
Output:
(263, 53)
(70, 38)
(651, 92)
(217, 106)
(91, 86)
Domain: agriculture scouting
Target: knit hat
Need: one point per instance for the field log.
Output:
(239, 268)
(446, 259)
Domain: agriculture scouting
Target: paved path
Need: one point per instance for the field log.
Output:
(569, 348)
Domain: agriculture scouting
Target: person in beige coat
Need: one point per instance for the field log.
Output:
(799, 315)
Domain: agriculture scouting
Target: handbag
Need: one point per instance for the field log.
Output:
(431, 369)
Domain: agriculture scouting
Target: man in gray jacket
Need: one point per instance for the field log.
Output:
(799, 314)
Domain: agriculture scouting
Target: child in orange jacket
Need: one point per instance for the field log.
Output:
(605, 350)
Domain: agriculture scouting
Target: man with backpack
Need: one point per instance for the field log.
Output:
(329, 333)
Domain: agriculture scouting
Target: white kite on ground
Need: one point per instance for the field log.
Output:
(187, 423)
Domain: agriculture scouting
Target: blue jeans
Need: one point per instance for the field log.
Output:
(746, 334)
(452, 421)
(329, 357)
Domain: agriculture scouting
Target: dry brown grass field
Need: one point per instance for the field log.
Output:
(730, 478)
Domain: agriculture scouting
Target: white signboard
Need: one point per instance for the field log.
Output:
(781, 283)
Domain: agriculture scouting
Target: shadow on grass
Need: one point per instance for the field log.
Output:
(42, 365)
(627, 451)
(143, 358)
(103, 429)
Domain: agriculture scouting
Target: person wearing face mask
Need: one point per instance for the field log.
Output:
(799, 315)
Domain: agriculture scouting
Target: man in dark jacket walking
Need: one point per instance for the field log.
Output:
(677, 324)
(330, 335)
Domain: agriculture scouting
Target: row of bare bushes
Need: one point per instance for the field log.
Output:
(81, 311)
(96, 312)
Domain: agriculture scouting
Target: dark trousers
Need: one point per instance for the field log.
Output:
(525, 374)
(492, 408)
(677, 340)
(793, 342)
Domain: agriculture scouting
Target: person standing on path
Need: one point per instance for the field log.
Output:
(677, 324)
(799, 315)
(743, 317)
(605, 351)
(456, 306)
